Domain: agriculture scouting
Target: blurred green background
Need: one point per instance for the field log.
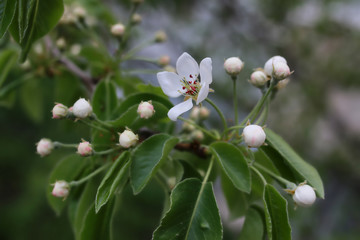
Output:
(318, 112)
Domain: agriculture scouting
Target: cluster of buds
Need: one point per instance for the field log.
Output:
(127, 138)
(233, 66)
(146, 109)
(277, 67)
(199, 113)
(254, 136)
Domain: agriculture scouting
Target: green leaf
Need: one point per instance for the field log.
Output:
(33, 19)
(148, 157)
(104, 100)
(67, 169)
(193, 213)
(98, 225)
(276, 214)
(103, 140)
(148, 88)
(302, 168)
(33, 104)
(117, 174)
(7, 11)
(234, 164)
(253, 228)
(7, 60)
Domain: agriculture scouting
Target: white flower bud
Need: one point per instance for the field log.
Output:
(195, 113)
(136, 18)
(188, 127)
(268, 68)
(128, 139)
(204, 112)
(254, 136)
(59, 111)
(75, 49)
(61, 43)
(61, 189)
(118, 30)
(197, 135)
(145, 110)
(44, 147)
(304, 195)
(84, 149)
(258, 78)
(233, 66)
(160, 36)
(164, 61)
(82, 108)
(281, 70)
(79, 12)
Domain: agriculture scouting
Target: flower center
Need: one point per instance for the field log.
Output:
(191, 87)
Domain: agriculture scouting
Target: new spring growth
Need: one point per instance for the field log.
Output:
(127, 138)
(233, 66)
(84, 149)
(254, 136)
(258, 79)
(82, 108)
(59, 111)
(118, 30)
(44, 147)
(145, 109)
(61, 189)
(303, 195)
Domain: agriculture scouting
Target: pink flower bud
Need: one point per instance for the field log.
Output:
(44, 147)
(258, 79)
(128, 139)
(233, 66)
(61, 189)
(82, 108)
(281, 70)
(254, 136)
(59, 111)
(304, 196)
(146, 110)
(84, 149)
(268, 68)
(164, 60)
(118, 30)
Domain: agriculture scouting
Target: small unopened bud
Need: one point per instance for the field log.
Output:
(258, 78)
(128, 139)
(146, 109)
(75, 49)
(268, 67)
(204, 113)
(164, 61)
(61, 189)
(61, 43)
(38, 49)
(254, 136)
(82, 108)
(79, 12)
(26, 65)
(304, 195)
(59, 111)
(84, 149)
(281, 70)
(197, 135)
(160, 36)
(44, 147)
(188, 127)
(282, 83)
(118, 30)
(199, 113)
(233, 66)
(136, 18)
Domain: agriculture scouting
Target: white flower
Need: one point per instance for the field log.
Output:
(44, 147)
(84, 149)
(233, 66)
(254, 136)
(61, 189)
(59, 111)
(268, 68)
(258, 78)
(304, 195)
(190, 81)
(145, 110)
(128, 139)
(82, 108)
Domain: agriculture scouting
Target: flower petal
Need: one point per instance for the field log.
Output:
(179, 109)
(170, 83)
(204, 91)
(186, 66)
(206, 70)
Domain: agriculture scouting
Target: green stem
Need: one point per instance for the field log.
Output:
(94, 126)
(199, 127)
(111, 150)
(235, 101)
(219, 112)
(91, 175)
(273, 175)
(259, 174)
(65, 145)
(136, 49)
(94, 117)
(263, 116)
